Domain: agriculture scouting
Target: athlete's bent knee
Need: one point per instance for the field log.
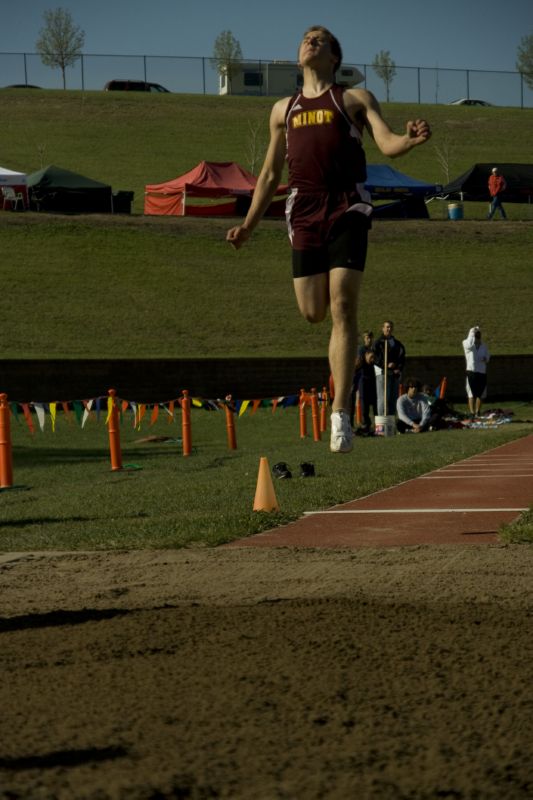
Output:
(314, 315)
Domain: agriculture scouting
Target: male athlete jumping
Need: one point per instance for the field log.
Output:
(319, 130)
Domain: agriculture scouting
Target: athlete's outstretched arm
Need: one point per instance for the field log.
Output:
(391, 144)
(268, 180)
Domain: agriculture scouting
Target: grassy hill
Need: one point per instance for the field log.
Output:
(137, 286)
(131, 139)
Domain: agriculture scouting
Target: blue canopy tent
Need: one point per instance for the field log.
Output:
(386, 183)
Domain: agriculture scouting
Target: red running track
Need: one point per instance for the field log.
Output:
(463, 503)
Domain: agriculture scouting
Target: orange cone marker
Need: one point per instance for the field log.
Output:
(113, 427)
(6, 453)
(315, 415)
(323, 411)
(303, 418)
(186, 423)
(230, 425)
(265, 496)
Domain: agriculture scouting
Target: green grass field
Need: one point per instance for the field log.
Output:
(103, 287)
(170, 287)
(166, 287)
(67, 497)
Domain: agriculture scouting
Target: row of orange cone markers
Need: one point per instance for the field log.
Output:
(265, 496)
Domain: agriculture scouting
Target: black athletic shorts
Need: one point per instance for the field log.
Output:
(345, 246)
(477, 383)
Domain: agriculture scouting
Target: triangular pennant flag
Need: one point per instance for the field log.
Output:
(290, 400)
(88, 407)
(78, 410)
(53, 412)
(140, 414)
(41, 414)
(255, 406)
(155, 414)
(275, 401)
(110, 405)
(244, 406)
(27, 416)
(66, 412)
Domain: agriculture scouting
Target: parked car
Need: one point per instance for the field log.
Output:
(133, 86)
(466, 101)
(21, 86)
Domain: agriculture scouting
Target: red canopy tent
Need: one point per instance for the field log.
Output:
(208, 180)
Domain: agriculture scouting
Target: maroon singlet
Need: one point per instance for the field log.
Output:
(327, 167)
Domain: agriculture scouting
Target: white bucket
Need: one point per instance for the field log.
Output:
(385, 426)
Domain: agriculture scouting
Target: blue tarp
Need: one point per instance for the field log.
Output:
(384, 182)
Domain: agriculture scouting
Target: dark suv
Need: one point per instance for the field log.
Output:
(133, 86)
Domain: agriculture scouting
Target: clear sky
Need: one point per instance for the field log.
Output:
(468, 34)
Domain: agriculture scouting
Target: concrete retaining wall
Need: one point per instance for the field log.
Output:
(152, 380)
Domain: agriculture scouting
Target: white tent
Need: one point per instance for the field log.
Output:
(17, 180)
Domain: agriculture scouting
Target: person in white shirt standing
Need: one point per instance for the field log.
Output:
(477, 357)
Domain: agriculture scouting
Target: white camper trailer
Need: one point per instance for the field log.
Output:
(276, 78)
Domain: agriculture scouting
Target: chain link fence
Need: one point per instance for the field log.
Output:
(197, 75)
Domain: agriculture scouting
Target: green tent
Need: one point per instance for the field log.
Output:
(57, 189)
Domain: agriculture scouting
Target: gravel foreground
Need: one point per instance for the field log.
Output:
(259, 674)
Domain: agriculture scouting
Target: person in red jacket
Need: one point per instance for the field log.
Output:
(497, 186)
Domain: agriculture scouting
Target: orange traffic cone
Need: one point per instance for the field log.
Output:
(265, 496)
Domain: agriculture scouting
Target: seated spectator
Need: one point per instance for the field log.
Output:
(439, 409)
(413, 409)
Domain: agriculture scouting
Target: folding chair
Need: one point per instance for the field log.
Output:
(12, 197)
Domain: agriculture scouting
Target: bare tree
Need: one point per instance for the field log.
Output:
(524, 63)
(60, 40)
(226, 55)
(385, 68)
(256, 145)
(445, 153)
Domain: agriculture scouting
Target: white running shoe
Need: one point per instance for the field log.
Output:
(341, 433)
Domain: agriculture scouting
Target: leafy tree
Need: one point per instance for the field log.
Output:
(385, 68)
(226, 53)
(60, 40)
(524, 63)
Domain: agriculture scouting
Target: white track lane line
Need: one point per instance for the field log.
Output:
(413, 511)
(483, 477)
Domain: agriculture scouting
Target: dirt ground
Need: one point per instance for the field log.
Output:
(260, 674)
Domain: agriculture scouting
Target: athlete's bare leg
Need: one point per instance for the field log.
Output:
(340, 290)
(312, 296)
(344, 287)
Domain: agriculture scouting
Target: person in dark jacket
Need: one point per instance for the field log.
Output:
(389, 344)
(365, 384)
